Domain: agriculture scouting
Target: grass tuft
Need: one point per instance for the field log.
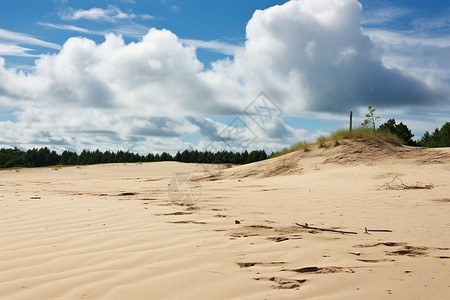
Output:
(365, 134)
(321, 140)
(302, 145)
(359, 133)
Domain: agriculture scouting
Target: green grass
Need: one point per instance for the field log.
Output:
(334, 137)
(322, 140)
(365, 134)
(302, 145)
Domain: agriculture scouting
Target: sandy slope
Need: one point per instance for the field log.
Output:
(114, 231)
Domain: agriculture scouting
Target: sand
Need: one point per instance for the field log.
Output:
(118, 231)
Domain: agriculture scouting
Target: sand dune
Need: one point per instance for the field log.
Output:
(118, 231)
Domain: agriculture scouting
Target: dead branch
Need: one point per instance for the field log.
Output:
(325, 229)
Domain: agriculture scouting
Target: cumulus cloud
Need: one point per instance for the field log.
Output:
(158, 75)
(313, 55)
(309, 56)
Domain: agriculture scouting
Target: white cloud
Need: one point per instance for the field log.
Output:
(25, 39)
(133, 30)
(147, 17)
(69, 28)
(7, 49)
(79, 129)
(347, 70)
(111, 14)
(307, 55)
(158, 74)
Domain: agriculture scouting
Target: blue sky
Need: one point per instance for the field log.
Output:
(165, 75)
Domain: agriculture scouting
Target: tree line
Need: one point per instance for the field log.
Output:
(439, 137)
(42, 157)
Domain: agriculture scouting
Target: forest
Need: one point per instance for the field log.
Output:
(42, 157)
(439, 137)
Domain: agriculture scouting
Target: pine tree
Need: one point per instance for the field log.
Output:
(371, 119)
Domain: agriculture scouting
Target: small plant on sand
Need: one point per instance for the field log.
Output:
(321, 140)
(303, 145)
(371, 119)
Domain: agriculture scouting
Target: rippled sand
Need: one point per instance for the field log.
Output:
(119, 231)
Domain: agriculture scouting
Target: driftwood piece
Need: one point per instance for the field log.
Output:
(325, 229)
(376, 230)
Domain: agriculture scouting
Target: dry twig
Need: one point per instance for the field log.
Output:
(397, 184)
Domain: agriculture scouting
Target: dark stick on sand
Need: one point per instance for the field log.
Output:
(325, 229)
